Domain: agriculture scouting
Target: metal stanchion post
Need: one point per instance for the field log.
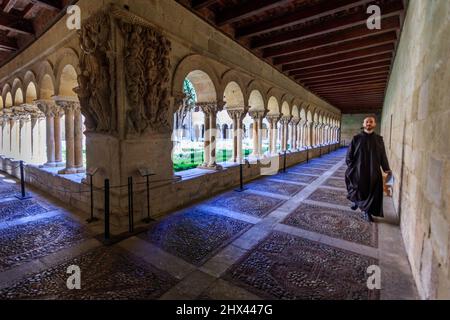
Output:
(107, 210)
(241, 178)
(284, 161)
(130, 205)
(91, 187)
(23, 195)
(146, 173)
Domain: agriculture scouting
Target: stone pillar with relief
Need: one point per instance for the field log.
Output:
(128, 111)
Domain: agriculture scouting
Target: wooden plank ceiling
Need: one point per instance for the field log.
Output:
(23, 21)
(324, 45)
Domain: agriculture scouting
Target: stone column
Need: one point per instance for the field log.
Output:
(294, 140)
(237, 114)
(14, 137)
(78, 135)
(254, 116)
(210, 109)
(70, 107)
(58, 114)
(48, 108)
(273, 120)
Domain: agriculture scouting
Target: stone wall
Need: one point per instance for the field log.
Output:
(415, 126)
(351, 125)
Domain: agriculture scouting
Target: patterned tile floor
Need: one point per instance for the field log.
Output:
(286, 237)
(288, 267)
(195, 235)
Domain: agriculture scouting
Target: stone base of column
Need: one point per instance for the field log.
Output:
(68, 171)
(215, 167)
(81, 170)
(54, 165)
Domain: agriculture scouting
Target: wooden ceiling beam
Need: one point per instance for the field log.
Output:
(200, 4)
(350, 63)
(358, 54)
(245, 10)
(375, 67)
(389, 24)
(8, 44)
(53, 5)
(346, 80)
(333, 24)
(16, 24)
(345, 47)
(300, 16)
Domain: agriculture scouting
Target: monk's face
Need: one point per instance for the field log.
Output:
(369, 124)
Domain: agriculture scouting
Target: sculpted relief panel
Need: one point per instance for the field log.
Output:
(147, 74)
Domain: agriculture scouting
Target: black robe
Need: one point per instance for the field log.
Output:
(366, 157)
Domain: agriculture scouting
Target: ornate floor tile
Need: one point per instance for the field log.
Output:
(312, 171)
(284, 189)
(251, 204)
(195, 235)
(291, 268)
(295, 177)
(331, 196)
(337, 183)
(107, 274)
(339, 174)
(16, 209)
(334, 223)
(8, 191)
(37, 239)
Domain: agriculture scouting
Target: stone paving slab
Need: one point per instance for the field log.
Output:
(335, 223)
(195, 235)
(331, 196)
(275, 187)
(295, 177)
(290, 268)
(16, 209)
(36, 239)
(336, 183)
(107, 273)
(246, 203)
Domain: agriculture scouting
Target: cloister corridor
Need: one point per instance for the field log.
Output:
(288, 236)
(216, 150)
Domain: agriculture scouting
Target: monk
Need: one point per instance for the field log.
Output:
(366, 157)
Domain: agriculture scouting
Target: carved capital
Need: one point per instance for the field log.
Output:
(67, 105)
(209, 108)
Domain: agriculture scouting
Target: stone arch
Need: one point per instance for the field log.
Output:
(286, 109)
(277, 94)
(255, 85)
(31, 87)
(67, 81)
(199, 69)
(256, 101)
(66, 69)
(232, 77)
(17, 92)
(30, 93)
(8, 99)
(46, 81)
(233, 95)
(295, 112)
(274, 106)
